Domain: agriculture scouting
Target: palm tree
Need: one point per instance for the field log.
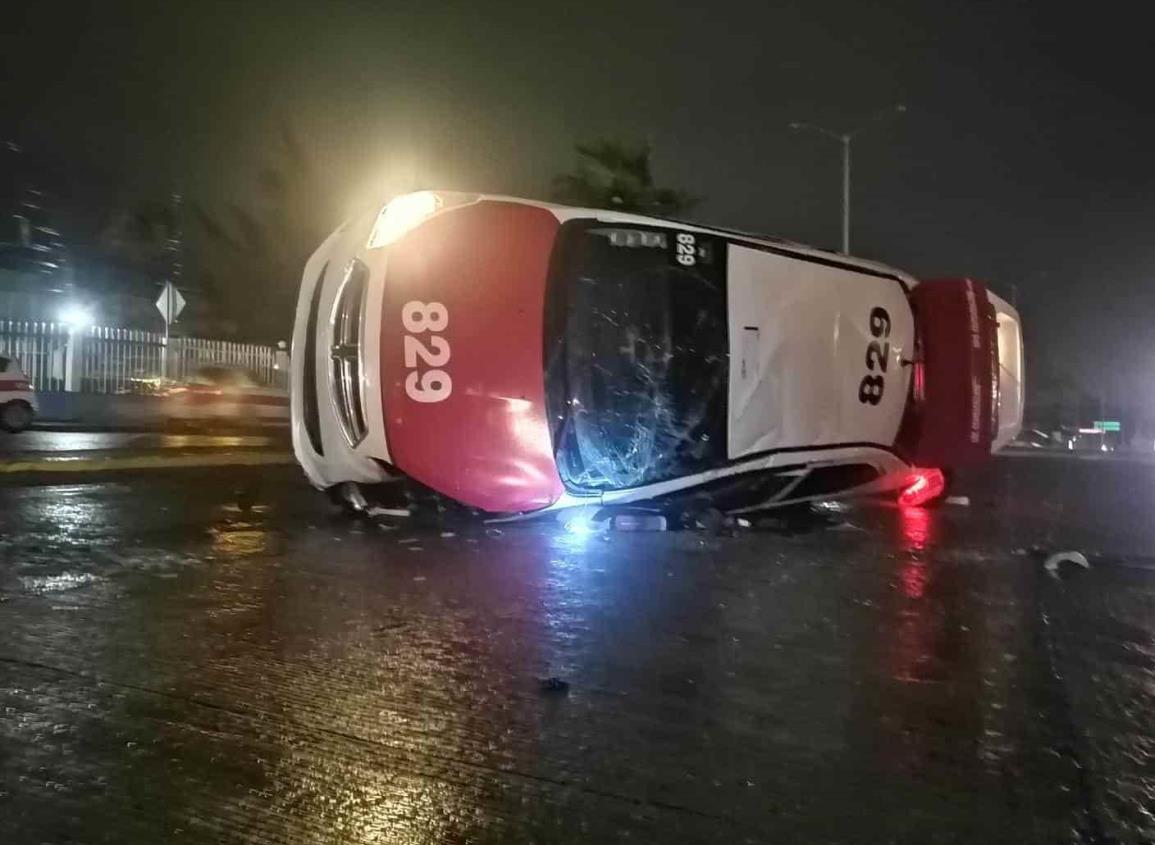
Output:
(610, 174)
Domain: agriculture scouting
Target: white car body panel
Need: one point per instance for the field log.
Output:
(885, 462)
(786, 312)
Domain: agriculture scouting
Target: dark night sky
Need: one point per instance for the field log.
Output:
(1025, 156)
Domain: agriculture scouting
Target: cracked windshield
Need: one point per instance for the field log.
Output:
(490, 423)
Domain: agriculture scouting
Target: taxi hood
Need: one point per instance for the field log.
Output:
(462, 373)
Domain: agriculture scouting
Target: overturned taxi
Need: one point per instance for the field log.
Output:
(518, 357)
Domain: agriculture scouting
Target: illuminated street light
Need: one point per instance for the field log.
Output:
(845, 138)
(76, 316)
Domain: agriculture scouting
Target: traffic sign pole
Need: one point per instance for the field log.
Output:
(167, 321)
(170, 303)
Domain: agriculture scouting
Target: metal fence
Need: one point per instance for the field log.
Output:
(41, 349)
(112, 360)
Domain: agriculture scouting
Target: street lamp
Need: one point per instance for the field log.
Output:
(845, 138)
(75, 316)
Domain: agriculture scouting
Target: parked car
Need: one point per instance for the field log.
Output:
(18, 407)
(218, 392)
(519, 356)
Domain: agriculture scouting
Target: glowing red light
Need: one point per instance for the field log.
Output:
(923, 485)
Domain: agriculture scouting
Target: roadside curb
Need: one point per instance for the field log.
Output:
(105, 464)
(64, 426)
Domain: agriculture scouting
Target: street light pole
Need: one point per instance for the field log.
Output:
(845, 138)
(846, 195)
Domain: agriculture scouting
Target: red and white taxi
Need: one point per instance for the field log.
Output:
(17, 399)
(521, 356)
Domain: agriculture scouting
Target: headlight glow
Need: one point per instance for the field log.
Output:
(401, 215)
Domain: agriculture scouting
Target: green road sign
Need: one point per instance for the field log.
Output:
(1108, 425)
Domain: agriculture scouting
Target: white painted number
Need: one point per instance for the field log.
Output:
(433, 351)
(414, 349)
(419, 317)
(429, 386)
(687, 252)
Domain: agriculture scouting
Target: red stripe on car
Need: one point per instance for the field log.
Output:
(461, 356)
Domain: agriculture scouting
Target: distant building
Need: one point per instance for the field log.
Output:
(29, 239)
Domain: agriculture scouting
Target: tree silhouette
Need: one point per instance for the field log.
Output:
(144, 239)
(610, 174)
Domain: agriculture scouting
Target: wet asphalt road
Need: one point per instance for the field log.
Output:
(51, 442)
(46, 456)
(212, 656)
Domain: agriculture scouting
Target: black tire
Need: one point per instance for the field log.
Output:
(16, 416)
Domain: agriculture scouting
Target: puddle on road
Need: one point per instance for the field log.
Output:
(41, 584)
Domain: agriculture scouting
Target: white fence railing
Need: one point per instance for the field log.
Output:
(111, 360)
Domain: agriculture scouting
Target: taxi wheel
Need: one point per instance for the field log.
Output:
(15, 416)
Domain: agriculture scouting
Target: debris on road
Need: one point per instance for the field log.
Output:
(639, 522)
(1032, 551)
(833, 506)
(846, 526)
(798, 519)
(396, 512)
(553, 685)
(1055, 561)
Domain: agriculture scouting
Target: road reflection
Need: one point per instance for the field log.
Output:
(240, 532)
(83, 441)
(308, 679)
(922, 702)
(381, 680)
(916, 536)
(944, 692)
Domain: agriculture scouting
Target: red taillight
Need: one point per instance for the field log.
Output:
(923, 485)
